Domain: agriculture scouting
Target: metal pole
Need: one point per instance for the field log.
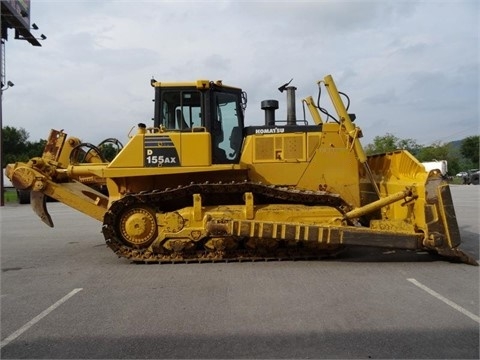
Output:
(2, 189)
(23, 26)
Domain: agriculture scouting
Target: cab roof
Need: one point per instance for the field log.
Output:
(199, 84)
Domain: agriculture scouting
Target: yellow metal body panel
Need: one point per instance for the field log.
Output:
(312, 161)
(193, 149)
(264, 155)
(283, 148)
(131, 155)
(333, 166)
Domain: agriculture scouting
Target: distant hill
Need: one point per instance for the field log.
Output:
(456, 144)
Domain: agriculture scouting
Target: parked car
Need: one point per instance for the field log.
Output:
(462, 174)
(472, 177)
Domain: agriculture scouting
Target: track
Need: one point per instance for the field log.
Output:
(215, 194)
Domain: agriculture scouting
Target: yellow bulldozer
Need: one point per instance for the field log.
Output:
(199, 185)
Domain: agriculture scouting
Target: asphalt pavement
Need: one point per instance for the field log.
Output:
(64, 294)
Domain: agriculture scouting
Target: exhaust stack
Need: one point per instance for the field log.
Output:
(291, 112)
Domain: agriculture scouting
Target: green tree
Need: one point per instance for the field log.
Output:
(441, 151)
(13, 144)
(390, 142)
(16, 147)
(36, 148)
(470, 149)
(14, 140)
(382, 144)
(410, 145)
(110, 148)
(435, 151)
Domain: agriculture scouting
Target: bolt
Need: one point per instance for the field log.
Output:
(39, 185)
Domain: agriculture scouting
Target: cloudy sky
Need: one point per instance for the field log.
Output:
(410, 68)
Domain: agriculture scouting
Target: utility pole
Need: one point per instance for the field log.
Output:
(14, 14)
(2, 189)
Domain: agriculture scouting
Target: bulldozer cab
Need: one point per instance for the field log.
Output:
(203, 106)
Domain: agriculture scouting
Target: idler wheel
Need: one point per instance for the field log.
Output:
(138, 227)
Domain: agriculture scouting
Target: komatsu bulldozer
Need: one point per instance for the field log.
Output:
(199, 185)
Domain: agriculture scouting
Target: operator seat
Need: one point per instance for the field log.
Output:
(236, 139)
(181, 124)
(219, 156)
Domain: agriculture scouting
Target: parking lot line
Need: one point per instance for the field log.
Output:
(37, 318)
(445, 300)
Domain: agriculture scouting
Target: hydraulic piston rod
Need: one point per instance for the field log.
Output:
(376, 205)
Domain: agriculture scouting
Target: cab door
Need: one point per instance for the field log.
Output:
(226, 126)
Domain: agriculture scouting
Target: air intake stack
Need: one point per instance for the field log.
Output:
(269, 106)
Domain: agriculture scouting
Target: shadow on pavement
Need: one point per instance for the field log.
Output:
(368, 344)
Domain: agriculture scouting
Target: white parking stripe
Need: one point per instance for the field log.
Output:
(445, 300)
(37, 318)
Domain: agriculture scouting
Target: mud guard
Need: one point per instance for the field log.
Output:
(39, 206)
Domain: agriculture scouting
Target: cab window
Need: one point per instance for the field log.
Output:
(226, 129)
(181, 109)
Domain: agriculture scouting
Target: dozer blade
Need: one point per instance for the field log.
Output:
(448, 226)
(39, 206)
(457, 255)
(432, 212)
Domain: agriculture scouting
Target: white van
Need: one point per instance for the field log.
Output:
(6, 181)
